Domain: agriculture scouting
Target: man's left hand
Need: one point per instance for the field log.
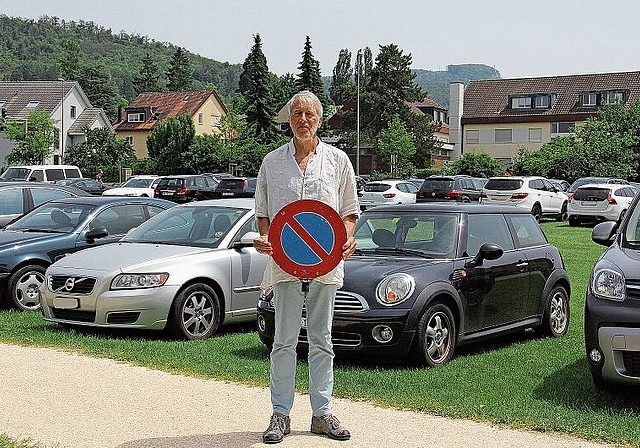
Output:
(349, 247)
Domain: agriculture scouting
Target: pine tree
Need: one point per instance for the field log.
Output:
(309, 77)
(149, 78)
(100, 89)
(180, 75)
(255, 87)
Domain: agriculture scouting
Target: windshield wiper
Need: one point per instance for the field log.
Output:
(40, 230)
(403, 250)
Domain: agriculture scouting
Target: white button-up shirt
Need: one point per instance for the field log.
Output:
(328, 178)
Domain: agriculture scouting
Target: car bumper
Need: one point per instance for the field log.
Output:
(594, 215)
(353, 334)
(146, 309)
(613, 328)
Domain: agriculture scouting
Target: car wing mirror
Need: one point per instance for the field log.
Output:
(604, 233)
(488, 251)
(95, 234)
(246, 240)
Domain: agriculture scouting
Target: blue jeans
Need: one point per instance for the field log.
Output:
(288, 297)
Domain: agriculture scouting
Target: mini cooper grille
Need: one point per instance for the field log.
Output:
(631, 363)
(633, 288)
(338, 338)
(346, 301)
(76, 285)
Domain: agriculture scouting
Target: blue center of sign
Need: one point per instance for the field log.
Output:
(299, 248)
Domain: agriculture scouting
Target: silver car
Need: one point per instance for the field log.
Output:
(188, 271)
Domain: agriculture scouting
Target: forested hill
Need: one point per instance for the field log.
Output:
(33, 50)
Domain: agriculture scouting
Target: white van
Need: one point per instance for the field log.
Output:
(41, 173)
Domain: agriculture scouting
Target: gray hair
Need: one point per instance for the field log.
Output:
(306, 95)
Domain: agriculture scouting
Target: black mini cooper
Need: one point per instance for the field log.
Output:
(429, 277)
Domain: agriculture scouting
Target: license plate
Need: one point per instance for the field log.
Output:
(588, 203)
(65, 303)
(303, 322)
(227, 193)
(167, 192)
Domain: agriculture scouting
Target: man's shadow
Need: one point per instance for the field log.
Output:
(224, 440)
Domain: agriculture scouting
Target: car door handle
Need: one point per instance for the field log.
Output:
(522, 265)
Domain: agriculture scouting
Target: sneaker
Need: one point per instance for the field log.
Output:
(279, 426)
(330, 425)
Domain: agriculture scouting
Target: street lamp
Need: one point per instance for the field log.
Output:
(358, 64)
(61, 120)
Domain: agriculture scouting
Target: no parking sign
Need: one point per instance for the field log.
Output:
(307, 238)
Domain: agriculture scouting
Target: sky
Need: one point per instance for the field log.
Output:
(519, 38)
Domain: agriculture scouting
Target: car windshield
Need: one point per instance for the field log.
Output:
(503, 184)
(632, 230)
(591, 194)
(15, 174)
(437, 184)
(426, 233)
(376, 187)
(193, 225)
(137, 183)
(52, 217)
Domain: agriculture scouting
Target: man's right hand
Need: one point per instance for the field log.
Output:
(262, 245)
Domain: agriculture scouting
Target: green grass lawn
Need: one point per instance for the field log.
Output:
(522, 381)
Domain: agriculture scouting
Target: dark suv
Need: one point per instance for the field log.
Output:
(427, 278)
(612, 306)
(236, 187)
(186, 188)
(458, 188)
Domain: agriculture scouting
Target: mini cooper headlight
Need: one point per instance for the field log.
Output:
(609, 284)
(395, 289)
(137, 281)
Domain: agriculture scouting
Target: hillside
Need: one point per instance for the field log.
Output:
(31, 50)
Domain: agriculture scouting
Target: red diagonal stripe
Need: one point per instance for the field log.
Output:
(308, 239)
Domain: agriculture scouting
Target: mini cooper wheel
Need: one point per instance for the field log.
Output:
(436, 336)
(24, 287)
(195, 313)
(556, 314)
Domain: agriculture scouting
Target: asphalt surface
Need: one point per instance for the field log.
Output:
(65, 400)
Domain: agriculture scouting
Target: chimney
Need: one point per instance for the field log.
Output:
(456, 100)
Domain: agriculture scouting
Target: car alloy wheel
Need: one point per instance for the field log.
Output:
(195, 313)
(536, 211)
(436, 336)
(556, 315)
(24, 287)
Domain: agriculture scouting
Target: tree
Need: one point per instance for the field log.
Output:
(70, 61)
(475, 164)
(397, 148)
(100, 89)
(101, 149)
(255, 86)
(148, 79)
(180, 75)
(310, 77)
(342, 85)
(169, 142)
(34, 138)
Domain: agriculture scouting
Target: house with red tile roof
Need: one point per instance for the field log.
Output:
(149, 108)
(499, 116)
(64, 101)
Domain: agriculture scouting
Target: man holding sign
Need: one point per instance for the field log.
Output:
(306, 170)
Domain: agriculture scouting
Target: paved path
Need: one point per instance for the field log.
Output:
(66, 400)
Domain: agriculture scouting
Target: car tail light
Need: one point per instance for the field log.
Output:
(245, 184)
(453, 194)
(183, 191)
(570, 198)
(483, 195)
(389, 195)
(419, 194)
(611, 200)
(519, 195)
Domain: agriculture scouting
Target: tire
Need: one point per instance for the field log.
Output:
(555, 321)
(23, 287)
(574, 221)
(195, 313)
(536, 211)
(435, 336)
(563, 213)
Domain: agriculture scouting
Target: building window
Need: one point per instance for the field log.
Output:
(535, 135)
(137, 117)
(473, 136)
(562, 127)
(522, 102)
(503, 136)
(129, 139)
(215, 121)
(32, 104)
(589, 99)
(543, 102)
(72, 112)
(612, 98)
(200, 119)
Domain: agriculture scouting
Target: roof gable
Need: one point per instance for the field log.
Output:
(48, 94)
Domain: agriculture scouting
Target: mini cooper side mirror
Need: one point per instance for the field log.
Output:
(488, 251)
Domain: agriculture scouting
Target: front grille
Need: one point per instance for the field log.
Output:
(631, 363)
(127, 317)
(74, 315)
(348, 301)
(69, 284)
(339, 339)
